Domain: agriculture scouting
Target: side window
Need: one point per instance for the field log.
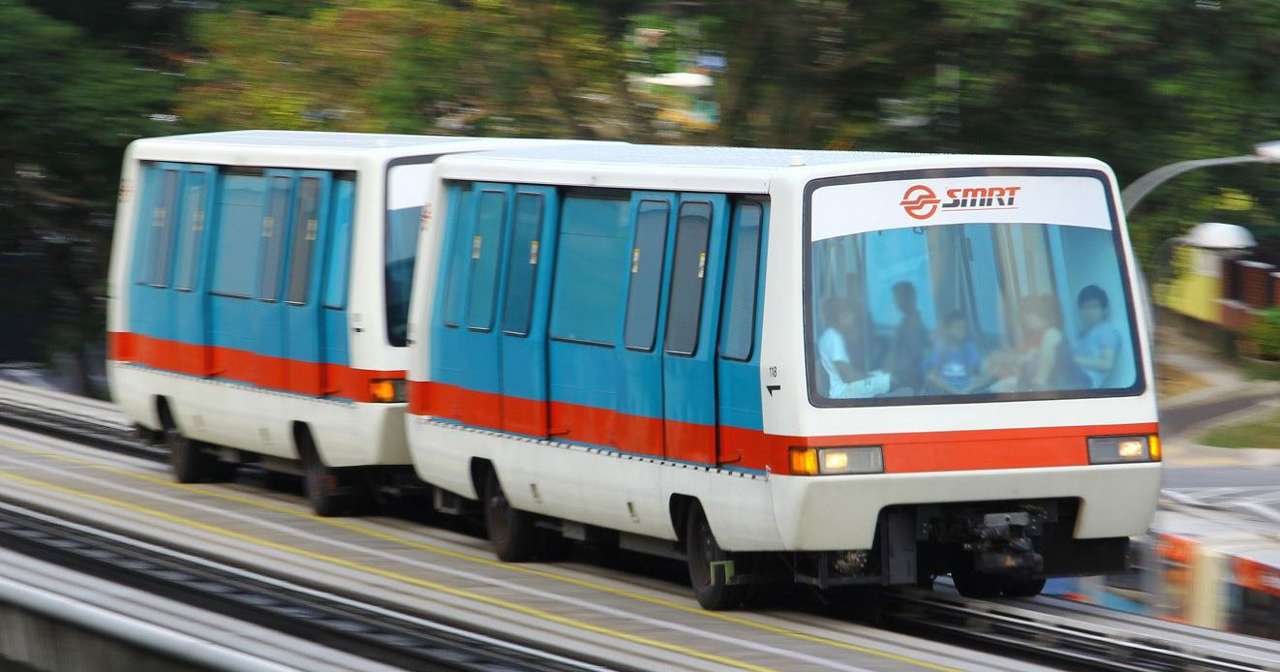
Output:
(522, 263)
(406, 197)
(646, 274)
(688, 273)
(306, 227)
(459, 253)
(274, 232)
(737, 323)
(191, 240)
(591, 267)
(239, 229)
(338, 264)
(486, 248)
(160, 239)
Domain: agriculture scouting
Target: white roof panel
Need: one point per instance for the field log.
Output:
(310, 148)
(678, 155)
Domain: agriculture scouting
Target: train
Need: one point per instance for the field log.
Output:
(258, 299)
(825, 368)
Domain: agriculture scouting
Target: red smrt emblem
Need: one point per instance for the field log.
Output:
(919, 202)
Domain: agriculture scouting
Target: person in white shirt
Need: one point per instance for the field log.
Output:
(844, 380)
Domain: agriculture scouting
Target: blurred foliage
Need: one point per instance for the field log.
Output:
(1137, 83)
(1264, 334)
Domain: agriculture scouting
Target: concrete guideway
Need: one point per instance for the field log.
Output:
(58, 619)
(605, 616)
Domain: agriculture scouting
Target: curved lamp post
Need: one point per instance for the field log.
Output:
(1267, 152)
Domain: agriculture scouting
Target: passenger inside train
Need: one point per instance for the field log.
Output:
(967, 309)
(1096, 348)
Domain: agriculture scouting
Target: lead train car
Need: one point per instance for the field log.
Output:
(257, 300)
(825, 367)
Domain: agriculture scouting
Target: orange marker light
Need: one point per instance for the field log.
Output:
(382, 390)
(804, 461)
(1153, 447)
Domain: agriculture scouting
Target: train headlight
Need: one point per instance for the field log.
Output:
(387, 390)
(1124, 449)
(854, 460)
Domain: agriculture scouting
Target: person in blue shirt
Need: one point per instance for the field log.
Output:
(955, 365)
(1099, 341)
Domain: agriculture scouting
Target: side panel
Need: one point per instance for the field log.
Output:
(586, 316)
(640, 383)
(337, 265)
(689, 370)
(305, 271)
(739, 387)
(268, 327)
(530, 260)
(190, 276)
(484, 267)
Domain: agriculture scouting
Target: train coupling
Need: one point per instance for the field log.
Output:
(1002, 544)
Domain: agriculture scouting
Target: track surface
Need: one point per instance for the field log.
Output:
(645, 621)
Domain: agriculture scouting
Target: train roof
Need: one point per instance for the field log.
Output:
(730, 169)
(310, 149)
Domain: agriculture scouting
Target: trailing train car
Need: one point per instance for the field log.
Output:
(258, 299)
(832, 368)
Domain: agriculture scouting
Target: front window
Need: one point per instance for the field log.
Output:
(967, 289)
(406, 196)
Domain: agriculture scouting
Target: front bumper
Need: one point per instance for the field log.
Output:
(828, 513)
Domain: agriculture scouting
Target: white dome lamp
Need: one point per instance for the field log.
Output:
(1219, 236)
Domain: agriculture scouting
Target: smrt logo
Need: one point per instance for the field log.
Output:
(920, 202)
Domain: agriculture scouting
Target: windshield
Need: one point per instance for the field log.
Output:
(406, 194)
(919, 305)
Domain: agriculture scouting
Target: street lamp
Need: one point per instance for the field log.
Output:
(1266, 152)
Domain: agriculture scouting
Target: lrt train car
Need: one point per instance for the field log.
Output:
(832, 368)
(258, 299)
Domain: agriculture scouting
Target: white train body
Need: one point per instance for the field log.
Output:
(259, 285)
(821, 407)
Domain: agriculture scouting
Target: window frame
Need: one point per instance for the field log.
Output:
(496, 285)
(191, 263)
(818, 400)
(757, 268)
(336, 180)
(386, 224)
(596, 193)
(702, 281)
(656, 316)
(513, 255)
(280, 236)
(318, 211)
(163, 250)
(224, 173)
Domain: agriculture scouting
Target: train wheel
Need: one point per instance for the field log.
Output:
(1023, 587)
(972, 584)
(190, 460)
(511, 531)
(702, 550)
(324, 491)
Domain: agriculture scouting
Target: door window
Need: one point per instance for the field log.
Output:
(688, 274)
(646, 274)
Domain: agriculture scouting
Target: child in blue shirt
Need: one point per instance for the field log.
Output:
(955, 365)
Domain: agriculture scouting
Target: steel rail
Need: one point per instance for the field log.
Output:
(368, 630)
(1078, 642)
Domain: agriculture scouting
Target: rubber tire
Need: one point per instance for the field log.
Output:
(190, 460)
(978, 586)
(701, 550)
(1023, 587)
(322, 487)
(511, 531)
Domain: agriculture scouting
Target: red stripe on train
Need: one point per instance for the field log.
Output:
(907, 452)
(276, 373)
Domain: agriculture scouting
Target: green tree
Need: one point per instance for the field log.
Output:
(67, 110)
